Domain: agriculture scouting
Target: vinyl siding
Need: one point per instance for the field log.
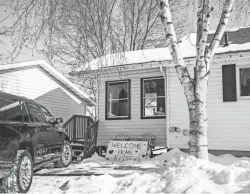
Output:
(35, 84)
(135, 126)
(228, 122)
(60, 104)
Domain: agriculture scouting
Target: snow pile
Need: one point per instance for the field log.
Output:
(172, 172)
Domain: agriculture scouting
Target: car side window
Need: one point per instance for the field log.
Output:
(35, 114)
(48, 117)
(10, 110)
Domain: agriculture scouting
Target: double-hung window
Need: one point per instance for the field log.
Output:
(153, 98)
(244, 81)
(118, 99)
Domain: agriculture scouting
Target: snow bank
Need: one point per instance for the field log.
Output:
(172, 172)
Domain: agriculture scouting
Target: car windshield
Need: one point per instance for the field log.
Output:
(48, 117)
(10, 109)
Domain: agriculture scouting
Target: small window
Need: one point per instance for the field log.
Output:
(35, 114)
(48, 117)
(118, 100)
(244, 81)
(153, 98)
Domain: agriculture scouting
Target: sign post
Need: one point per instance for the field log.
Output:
(120, 151)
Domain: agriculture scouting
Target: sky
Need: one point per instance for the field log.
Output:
(28, 55)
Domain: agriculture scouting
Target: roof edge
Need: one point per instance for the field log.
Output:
(53, 72)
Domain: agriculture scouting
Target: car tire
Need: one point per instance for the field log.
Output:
(20, 178)
(66, 156)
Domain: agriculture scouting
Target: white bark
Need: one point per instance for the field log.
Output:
(195, 90)
(226, 12)
(174, 49)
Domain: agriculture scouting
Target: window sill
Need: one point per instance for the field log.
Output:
(243, 98)
(155, 117)
(118, 118)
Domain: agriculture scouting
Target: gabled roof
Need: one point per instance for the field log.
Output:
(240, 35)
(238, 39)
(54, 74)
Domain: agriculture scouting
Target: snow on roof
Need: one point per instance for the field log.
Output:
(54, 74)
(238, 37)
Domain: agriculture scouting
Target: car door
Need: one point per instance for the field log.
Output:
(43, 134)
(57, 137)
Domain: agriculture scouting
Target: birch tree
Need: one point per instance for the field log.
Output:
(195, 89)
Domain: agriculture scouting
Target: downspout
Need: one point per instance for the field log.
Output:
(165, 73)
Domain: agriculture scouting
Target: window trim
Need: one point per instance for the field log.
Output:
(129, 100)
(142, 98)
(238, 67)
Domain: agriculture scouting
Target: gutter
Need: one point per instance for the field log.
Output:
(165, 73)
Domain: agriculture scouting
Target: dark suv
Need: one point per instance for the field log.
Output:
(30, 138)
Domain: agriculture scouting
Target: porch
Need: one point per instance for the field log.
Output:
(82, 131)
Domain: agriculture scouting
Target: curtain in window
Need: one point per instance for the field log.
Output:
(245, 81)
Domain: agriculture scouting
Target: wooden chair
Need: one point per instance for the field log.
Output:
(147, 137)
(121, 137)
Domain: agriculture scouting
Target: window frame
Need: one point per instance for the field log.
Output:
(129, 100)
(142, 98)
(238, 89)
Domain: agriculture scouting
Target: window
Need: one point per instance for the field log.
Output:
(48, 117)
(35, 114)
(244, 81)
(153, 98)
(10, 110)
(118, 100)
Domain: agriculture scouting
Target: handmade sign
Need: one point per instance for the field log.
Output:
(119, 151)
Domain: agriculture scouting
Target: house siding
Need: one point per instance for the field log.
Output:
(135, 126)
(228, 122)
(60, 104)
(34, 84)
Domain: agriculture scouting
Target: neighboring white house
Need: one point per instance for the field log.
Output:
(139, 92)
(39, 81)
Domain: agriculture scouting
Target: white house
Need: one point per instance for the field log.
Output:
(139, 92)
(39, 81)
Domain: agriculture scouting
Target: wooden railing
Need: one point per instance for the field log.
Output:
(90, 139)
(76, 126)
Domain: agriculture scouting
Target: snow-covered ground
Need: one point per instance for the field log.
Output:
(172, 172)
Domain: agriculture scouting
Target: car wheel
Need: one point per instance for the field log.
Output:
(66, 156)
(20, 178)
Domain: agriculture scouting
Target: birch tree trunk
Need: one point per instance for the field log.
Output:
(195, 89)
